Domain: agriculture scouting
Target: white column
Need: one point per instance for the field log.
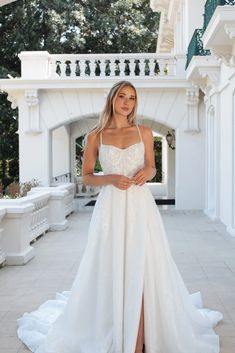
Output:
(35, 64)
(164, 160)
(171, 174)
(35, 150)
(190, 169)
(210, 163)
(231, 227)
(61, 151)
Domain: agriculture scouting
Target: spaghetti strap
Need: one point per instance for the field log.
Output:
(101, 137)
(139, 132)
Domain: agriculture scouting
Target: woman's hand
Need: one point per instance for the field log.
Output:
(143, 175)
(120, 181)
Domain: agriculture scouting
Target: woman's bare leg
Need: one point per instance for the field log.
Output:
(140, 337)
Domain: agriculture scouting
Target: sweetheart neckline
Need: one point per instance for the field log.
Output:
(121, 149)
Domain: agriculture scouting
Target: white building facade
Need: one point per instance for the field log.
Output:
(60, 97)
(206, 31)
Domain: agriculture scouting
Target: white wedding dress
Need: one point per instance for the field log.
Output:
(127, 256)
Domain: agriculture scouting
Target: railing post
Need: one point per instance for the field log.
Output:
(34, 64)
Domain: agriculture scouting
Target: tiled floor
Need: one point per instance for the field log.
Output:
(203, 251)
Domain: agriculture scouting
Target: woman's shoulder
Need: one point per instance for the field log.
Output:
(145, 130)
(93, 135)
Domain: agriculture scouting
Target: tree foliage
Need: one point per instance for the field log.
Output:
(68, 26)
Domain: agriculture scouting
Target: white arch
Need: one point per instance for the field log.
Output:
(58, 108)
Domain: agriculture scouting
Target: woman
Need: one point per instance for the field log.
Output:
(128, 292)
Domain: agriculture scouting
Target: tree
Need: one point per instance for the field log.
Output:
(69, 26)
(8, 143)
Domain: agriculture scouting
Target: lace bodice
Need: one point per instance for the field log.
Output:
(127, 161)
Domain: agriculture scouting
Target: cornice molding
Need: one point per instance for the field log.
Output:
(230, 30)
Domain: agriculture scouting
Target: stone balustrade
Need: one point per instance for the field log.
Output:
(42, 65)
(23, 220)
(60, 204)
(16, 231)
(39, 221)
(110, 65)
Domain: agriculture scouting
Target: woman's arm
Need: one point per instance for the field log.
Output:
(89, 159)
(149, 170)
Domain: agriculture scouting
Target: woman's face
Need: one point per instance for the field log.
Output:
(125, 101)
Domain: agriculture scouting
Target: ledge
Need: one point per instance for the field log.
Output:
(204, 72)
(220, 33)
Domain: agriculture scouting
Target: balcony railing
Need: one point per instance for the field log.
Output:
(195, 47)
(110, 65)
(63, 178)
(210, 8)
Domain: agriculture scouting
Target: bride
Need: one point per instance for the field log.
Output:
(128, 295)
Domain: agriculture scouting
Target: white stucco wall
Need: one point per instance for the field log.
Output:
(193, 17)
(60, 151)
(226, 153)
(190, 166)
(171, 173)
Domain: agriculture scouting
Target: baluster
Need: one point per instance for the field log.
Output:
(151, 67)
(127, 68)
(77, 69)
(97, 68)
(112, 66)
(161, 64)
(102, 67)
(142, 67)
(58, 69)
(122, 66)
(107, 68)
(82, 65)
(146, 68)
(156, 67)
(68, 68)
(63, 67)
(166, 69)
(87, 68)
(73, 68)
(92, 66)
(132, 67)
(137, 68)
(117, 68)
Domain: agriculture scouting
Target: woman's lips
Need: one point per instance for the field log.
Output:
(125, 108)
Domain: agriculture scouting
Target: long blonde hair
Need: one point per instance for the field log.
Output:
(106, 115)
(108, 111)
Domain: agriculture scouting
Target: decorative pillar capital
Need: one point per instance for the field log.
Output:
(32, 103)
(192, 102)
(31, 97)
(192, 95)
